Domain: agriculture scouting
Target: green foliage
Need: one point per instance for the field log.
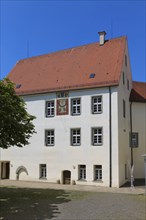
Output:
(16, 125)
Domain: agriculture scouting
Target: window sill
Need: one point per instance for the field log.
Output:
(49, 145)
(98, 181)
(97, 145)
(75, 145)
(82, 180)
(96, 113)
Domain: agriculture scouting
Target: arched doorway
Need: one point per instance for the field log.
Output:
(66, 177)
(20, 170)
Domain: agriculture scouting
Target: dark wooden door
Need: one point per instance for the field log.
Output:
(66, 177)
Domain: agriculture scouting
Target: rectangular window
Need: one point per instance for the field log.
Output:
(97, 172)
(124, 109)
(82, 172)
(134, 139)
(127, 84)
(76, 106)
(125, 60)
(50, 137)
(97, 105)
(123, 78)
(43, 171)
(50, 108)
(97, 136)
(75, 137)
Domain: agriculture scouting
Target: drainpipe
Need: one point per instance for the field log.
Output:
(131, 142)
(110, 139)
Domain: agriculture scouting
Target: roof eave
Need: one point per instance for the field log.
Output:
(68, 88)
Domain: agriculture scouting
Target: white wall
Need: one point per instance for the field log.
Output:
(139, 125)
(63, 156)
(124, 123)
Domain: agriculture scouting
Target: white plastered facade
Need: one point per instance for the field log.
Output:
(63, 156)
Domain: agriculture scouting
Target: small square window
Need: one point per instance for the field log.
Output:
(50, 109)
(97, 105)
(97, 136)
(75, 137)
(76, 106)
(50, 137)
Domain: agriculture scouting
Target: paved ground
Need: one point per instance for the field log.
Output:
(67, 202)
(44, 185)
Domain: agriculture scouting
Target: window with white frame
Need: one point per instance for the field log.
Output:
(43, 171)
(134, 139)
(82, 172)
(76, 106)
(97, 172)
(50, 108)
(75, 137)
(50, 137)
(97, 136)
(97, 105)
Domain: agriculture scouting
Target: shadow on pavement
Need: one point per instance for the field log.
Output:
(30, 204)
(137, 182)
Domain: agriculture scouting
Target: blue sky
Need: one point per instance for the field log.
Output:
(31, 28)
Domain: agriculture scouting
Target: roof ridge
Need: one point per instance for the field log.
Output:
(67, 49)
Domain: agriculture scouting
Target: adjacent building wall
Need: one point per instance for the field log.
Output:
(124, 90)
(139, 125)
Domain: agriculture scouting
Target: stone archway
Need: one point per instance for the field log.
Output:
(66, 174)
(19, 170)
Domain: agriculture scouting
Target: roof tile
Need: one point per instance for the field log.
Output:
(138, 93)
(71, 68)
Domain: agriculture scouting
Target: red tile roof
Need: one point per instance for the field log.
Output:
(70, 69)
(138, 93)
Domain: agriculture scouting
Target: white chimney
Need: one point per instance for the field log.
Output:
(102, 37)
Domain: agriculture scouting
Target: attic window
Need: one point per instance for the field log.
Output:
(18, 86)
(92, 75)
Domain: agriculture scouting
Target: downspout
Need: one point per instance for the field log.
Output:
(131, 142)
(110, 139)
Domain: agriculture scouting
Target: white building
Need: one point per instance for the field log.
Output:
(81, 98)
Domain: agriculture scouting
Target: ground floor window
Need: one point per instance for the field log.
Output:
(82, 172)
(43, 171)
(97, 172)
